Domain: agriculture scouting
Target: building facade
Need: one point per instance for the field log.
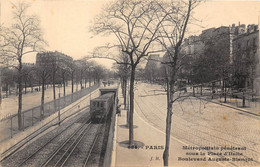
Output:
(57, 58)
(246, 57)
(54, 62)
(153, 68)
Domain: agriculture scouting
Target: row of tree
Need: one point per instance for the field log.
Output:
(23, 37)
(206, 59)
(142, 28)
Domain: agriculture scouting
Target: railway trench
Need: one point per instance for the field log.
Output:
(84, 145)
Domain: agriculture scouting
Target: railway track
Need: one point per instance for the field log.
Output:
(53, 141)
(52, 123)
(77, 144)
(77, 149)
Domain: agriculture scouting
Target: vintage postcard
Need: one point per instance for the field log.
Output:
(130, 83)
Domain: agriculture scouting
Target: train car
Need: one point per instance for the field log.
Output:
(101, 106)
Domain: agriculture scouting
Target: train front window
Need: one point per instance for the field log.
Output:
(101, 104)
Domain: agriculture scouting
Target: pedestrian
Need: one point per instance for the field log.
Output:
(118, 111)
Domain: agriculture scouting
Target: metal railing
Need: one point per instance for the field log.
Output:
(9, 124)
(238, 98)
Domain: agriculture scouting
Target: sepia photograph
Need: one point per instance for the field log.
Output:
(129, 83)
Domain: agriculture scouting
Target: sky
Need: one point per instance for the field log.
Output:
(66, 23)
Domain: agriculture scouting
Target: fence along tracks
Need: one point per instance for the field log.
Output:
(9, 123)
(45, 127)
(60, 149)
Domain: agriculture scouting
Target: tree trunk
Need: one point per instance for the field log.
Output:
(213, 90)
(124, 91)
(54, 91)
(25, 88)
(252, 82)
(6, 92)
(9, 89)
(131, 113)
(81, 78)
(64, 86)
(72, 82)
(225, 90)
(20, 89)
(81, 85)
(201, 89)
(39, 86)
(168, 123)
(244, 99)
(89, 81)
(42, 98)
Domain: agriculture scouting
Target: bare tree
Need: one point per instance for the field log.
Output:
(122, 71)
(171, 35)
(44, 72)
(80, 70)
(135, 25)
(22, 38)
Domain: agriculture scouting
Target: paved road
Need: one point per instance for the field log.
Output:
(199, 123)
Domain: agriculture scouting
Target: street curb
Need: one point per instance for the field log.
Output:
(113, 159)
(227, 105)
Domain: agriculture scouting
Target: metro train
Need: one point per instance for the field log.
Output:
(102, 105)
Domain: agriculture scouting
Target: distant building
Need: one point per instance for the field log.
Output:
(246, 57)
(207, 34)
(152, 68)
(54, 62)
(154, 60)
(192, 46)
(57, 59)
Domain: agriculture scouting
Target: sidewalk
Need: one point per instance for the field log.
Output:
(149, 144)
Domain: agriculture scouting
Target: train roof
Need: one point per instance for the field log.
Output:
(104, 96)
(107, 90)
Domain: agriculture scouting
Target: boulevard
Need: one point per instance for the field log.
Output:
(198, 123)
